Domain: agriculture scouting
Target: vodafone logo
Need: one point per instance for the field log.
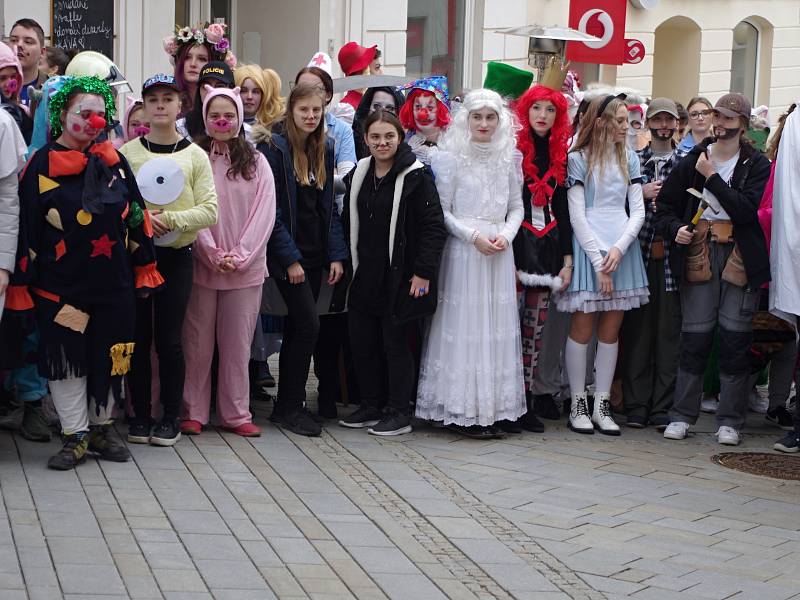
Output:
(598, 23)
(634, 52)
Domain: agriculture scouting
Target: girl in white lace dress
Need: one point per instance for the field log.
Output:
(471, 376)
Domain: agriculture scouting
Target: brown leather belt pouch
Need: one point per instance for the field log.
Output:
(722, 232)
(697, 268)
(657, 249)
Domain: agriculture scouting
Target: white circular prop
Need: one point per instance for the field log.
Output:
(167, 238)
(160, 180)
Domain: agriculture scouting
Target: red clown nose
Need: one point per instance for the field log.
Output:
(422, 114)
(96, 122)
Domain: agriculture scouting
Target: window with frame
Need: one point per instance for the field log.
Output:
(435, 40)
(744, 59)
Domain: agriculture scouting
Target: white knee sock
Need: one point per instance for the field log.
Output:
(605, 363)
(575, 361)
(69, 398)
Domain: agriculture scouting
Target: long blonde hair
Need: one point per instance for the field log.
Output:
(274, 103)
(308, 157)
(266, 113)
(596, 136)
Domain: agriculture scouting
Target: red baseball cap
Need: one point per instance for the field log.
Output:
(354, 58)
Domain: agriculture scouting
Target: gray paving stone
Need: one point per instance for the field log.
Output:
(89, 579)
(382, 560)
(172, 580)
(204, 546)
(197, 521)
(519, 578)
(231, 574)
(261, 554)
(358, 534)
(78, 550)
(294, 550)
(408, 587)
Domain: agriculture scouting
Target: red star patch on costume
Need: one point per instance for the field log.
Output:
(318, 59)
(102, 246)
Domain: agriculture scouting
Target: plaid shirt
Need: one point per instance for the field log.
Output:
(665, 165)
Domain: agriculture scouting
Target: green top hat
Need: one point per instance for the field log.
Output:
(508, 81)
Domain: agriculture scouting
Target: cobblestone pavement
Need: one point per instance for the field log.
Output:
(425, 516)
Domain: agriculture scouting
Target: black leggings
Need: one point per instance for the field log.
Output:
(160, 317)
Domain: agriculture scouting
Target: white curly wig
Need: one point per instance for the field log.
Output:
(458, 140)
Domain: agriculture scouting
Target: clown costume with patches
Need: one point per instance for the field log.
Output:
(85, 252)
(471, 373)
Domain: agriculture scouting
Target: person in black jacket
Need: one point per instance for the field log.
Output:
(306, 241)
(721, 264)
(395, 227)
(387, 98)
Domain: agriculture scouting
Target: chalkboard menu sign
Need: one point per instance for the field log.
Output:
(84, 25)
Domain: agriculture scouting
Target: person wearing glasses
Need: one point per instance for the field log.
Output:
(386, 98)
(700, 119)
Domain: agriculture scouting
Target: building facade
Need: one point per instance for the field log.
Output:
(709, 47)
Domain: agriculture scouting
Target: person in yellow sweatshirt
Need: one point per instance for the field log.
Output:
(177, 184)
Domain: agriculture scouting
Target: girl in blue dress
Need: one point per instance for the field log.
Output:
(606, 210)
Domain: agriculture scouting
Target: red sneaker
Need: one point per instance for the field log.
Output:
(245, 430)
(190, 427)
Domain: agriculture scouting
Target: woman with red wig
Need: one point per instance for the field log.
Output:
(425, 115)
(543, 245)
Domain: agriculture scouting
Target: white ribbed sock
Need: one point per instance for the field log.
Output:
(605, 363)
(575, 361)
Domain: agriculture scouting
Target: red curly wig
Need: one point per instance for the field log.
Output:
(407, 111)
(559, 134)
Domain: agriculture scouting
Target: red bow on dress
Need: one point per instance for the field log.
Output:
(73, 162)
(541, 190)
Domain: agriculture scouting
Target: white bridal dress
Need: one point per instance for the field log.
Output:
(471, 371)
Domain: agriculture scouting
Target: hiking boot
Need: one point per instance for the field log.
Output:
(530, 422)
(104, 444)
(35, 425)
(72, 454)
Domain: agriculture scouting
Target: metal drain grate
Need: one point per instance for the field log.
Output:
(777, 466)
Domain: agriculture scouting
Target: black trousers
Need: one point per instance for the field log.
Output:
(160, 318)
(300, 332)
(380, 347)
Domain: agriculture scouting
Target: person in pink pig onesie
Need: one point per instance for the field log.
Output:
(230, 265)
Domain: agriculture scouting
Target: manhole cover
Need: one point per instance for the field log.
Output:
(778, 466)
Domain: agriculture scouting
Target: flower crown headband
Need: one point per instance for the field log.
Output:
(211, 33)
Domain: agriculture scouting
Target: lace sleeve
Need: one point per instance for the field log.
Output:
(445, 166)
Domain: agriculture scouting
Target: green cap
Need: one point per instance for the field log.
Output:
(508, 81)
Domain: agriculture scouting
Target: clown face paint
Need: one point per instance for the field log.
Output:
(222, 121)
(137, 124)
(84, 120)
(425, 112)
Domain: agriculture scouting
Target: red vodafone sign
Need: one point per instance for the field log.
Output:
(634, 52)
(604, 19)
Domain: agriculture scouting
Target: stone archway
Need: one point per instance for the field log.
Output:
(676, 59)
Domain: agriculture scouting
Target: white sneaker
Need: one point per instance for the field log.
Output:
(579, 420)
(601, 415)
(758, 402)
(677, 430)
(728, 436)
(709, 404)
